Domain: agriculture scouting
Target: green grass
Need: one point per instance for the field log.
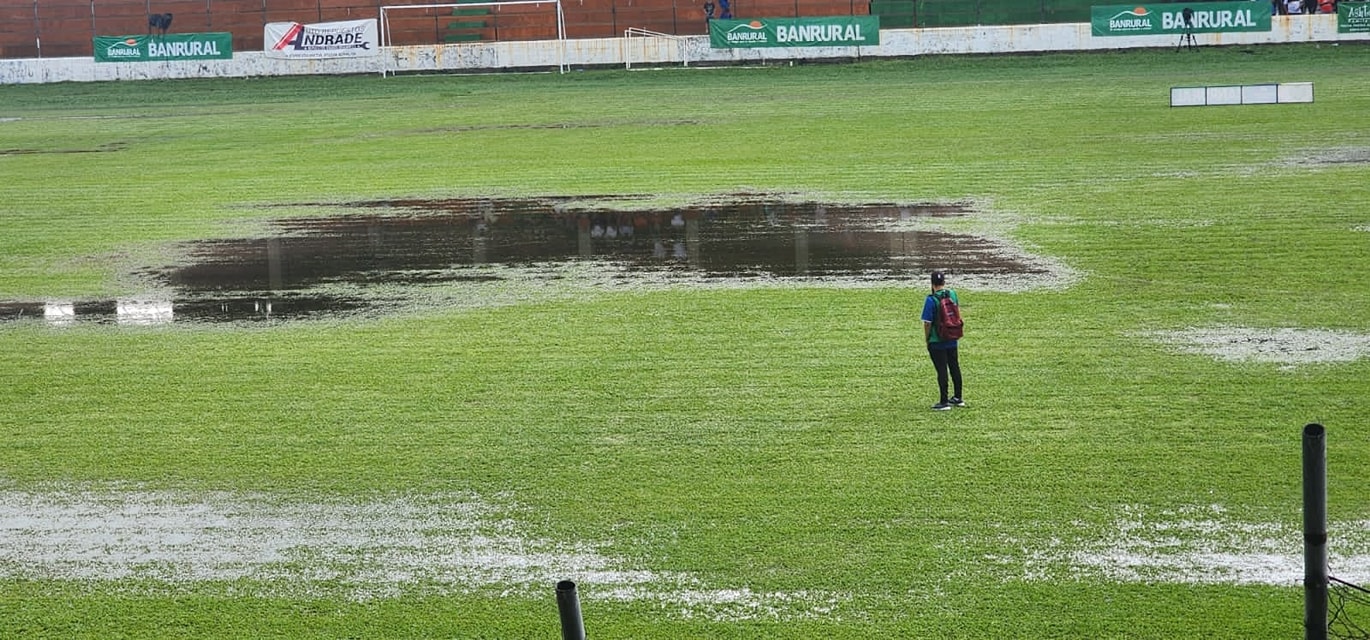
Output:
(774, 439)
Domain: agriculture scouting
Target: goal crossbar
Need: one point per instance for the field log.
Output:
(386, 42)
(645, 33)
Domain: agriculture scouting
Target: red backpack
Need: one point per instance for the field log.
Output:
(948, 317)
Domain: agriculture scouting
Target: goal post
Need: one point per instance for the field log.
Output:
(1332, 607)
(517, 19)
(644, 36)
(1315, 532)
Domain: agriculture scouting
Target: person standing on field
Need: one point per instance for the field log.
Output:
(942, 352)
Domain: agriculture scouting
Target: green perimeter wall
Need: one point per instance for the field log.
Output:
(65, 28)
(897, 14)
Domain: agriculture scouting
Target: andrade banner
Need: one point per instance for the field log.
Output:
(1353, 17)
(834, 31)
(347, 39)
(1166, 19)
(172, 46)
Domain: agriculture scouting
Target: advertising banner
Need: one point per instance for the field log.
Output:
(835, 31)
(1353, 17)
(1177, 18)
(347, 39)
(172, 46)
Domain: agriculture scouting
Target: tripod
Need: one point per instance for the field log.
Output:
(1186, 39)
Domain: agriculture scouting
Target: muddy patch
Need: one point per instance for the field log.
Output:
(564, 125)
(1345, 155)
(104, 148)
(384, 255)
(1328, 157)
(1290, 347)
(253, 544)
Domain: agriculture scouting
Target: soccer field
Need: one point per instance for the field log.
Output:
(1157, 300)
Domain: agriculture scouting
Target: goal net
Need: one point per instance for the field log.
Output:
(493, 29)
(1333, 608)
(1348, 610)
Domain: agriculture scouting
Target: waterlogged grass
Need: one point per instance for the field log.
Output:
(776, 441)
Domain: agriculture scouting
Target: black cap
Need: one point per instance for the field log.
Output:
(939, 278)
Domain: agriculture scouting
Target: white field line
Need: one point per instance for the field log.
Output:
(354, 549)
(1195, 545)
(1287, 346)
(256, 545)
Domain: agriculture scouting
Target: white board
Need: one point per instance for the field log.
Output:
(1296, 92)
(1224, 95)
(1260, 94)
(1187, 96)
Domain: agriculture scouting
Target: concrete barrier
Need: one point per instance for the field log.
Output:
(612, 52)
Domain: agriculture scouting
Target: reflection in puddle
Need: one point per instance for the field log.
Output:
(425, 241)
(393, 249)
(151, 312)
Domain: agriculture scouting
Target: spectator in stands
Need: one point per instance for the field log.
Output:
(1295, 7)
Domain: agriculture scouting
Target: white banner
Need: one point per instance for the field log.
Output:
(350, 39)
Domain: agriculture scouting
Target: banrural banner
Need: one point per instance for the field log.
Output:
(347, 39)
(1166, 19)
(172, 46)
(835, 31)
(1353, 17)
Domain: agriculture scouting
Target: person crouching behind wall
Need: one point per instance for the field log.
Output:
(942, 352)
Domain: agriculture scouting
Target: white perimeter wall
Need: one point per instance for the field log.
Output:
(640, 51)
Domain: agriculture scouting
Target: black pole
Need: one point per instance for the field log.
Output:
(572, 628)
(1314, 532)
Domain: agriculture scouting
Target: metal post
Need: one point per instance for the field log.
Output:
(37, 30)
(572, 628)
(1314, 532)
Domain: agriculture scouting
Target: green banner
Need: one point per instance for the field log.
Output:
(1353, 17)
(835, 31)
(172, 46)
(1168, 19)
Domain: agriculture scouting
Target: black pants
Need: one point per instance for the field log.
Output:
(946, 362)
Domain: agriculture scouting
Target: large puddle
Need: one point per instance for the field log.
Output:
(367, 256)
